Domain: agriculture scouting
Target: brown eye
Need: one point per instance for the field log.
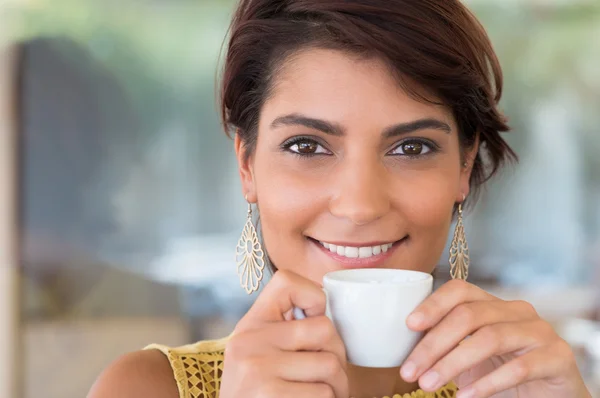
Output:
(412, 148)
(307, 147)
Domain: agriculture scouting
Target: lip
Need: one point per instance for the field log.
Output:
(354, 244)
(367, 262)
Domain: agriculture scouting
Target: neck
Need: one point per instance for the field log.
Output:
(369, 382)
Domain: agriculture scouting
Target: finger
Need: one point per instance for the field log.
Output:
(547, 362)
(310, 334)
(463, 320)
(491, 340)
(286, 389)
(442, 301)
(284, 292)
(313, 367)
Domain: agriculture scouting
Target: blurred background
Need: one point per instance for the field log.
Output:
(127, 207)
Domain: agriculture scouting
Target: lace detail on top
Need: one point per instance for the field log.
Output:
(198, 368)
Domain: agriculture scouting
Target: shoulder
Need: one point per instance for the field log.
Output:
(163, 372)
(138, 374)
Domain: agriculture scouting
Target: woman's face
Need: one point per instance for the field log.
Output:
(347, 164)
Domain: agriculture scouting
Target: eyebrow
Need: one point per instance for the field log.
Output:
(295, 119)
(326, 127)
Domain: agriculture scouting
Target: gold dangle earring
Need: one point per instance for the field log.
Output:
(249, 256)
(459, 250)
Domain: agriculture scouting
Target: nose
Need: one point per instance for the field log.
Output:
(360, 192)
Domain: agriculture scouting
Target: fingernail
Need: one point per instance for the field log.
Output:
(416, 319)
(408, 371)
(466, 393)
(430, 380)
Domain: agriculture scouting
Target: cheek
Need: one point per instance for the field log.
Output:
(427, 202)
(292, 191)
(289, 201)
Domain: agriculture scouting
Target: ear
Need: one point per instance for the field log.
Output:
(466, 170)
(245, 169)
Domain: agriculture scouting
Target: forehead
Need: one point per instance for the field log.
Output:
(334, 85)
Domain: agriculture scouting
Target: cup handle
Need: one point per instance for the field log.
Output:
(300, 314)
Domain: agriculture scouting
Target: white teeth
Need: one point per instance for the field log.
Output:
(351, 252)
(365, 252)
(356, 252)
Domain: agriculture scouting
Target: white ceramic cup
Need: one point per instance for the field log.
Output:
(369, 308)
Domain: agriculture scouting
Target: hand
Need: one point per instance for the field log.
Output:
(272, 355)
(510, 351)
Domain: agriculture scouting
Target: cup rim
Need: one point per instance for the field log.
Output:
(330, 277)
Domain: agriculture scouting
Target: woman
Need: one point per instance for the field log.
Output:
(361, 126)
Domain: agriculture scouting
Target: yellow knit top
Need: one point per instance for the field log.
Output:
(198, 367)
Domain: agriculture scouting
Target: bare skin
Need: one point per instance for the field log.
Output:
(138, 374)
(345, 156)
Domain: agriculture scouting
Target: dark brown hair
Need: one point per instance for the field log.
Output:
(437, 44)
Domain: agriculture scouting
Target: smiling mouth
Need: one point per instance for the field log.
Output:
(355, 251)
(357, 255)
